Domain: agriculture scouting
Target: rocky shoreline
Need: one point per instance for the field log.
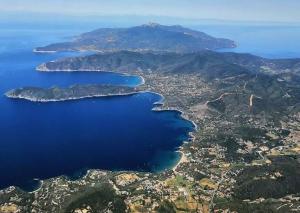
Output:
(75, 92)
(69, 98)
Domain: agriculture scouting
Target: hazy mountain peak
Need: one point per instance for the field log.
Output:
(152, 24)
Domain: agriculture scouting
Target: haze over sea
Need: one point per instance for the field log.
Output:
(51, 139)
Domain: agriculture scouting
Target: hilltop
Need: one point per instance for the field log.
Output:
(208, 63)
(147, 37)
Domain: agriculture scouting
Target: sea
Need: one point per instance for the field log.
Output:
(45, 140)
(269, 41)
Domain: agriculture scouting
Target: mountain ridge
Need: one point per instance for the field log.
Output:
(146, 37)
(209, 63)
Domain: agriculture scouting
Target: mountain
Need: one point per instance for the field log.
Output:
(148, 37)
(208, 63)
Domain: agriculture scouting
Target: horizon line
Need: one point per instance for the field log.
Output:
(68, 16)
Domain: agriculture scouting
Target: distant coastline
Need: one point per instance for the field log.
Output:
(43, 51)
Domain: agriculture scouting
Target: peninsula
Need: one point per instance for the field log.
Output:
(74, 92)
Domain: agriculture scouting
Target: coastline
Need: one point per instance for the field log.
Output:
(158, 106)
(71, 98)
(182, 159)
(95, 70)
(161, 107)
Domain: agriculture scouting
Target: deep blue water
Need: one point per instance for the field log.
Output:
(50, 139)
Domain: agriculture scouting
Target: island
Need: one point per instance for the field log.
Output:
(244, 157)
(74, 92)
(147, 37)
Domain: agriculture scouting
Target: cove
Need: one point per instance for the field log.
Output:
(44, 140)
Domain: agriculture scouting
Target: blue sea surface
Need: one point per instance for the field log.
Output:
(43, 140)
(270, 41)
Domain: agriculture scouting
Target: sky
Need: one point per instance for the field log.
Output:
(234, 10)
